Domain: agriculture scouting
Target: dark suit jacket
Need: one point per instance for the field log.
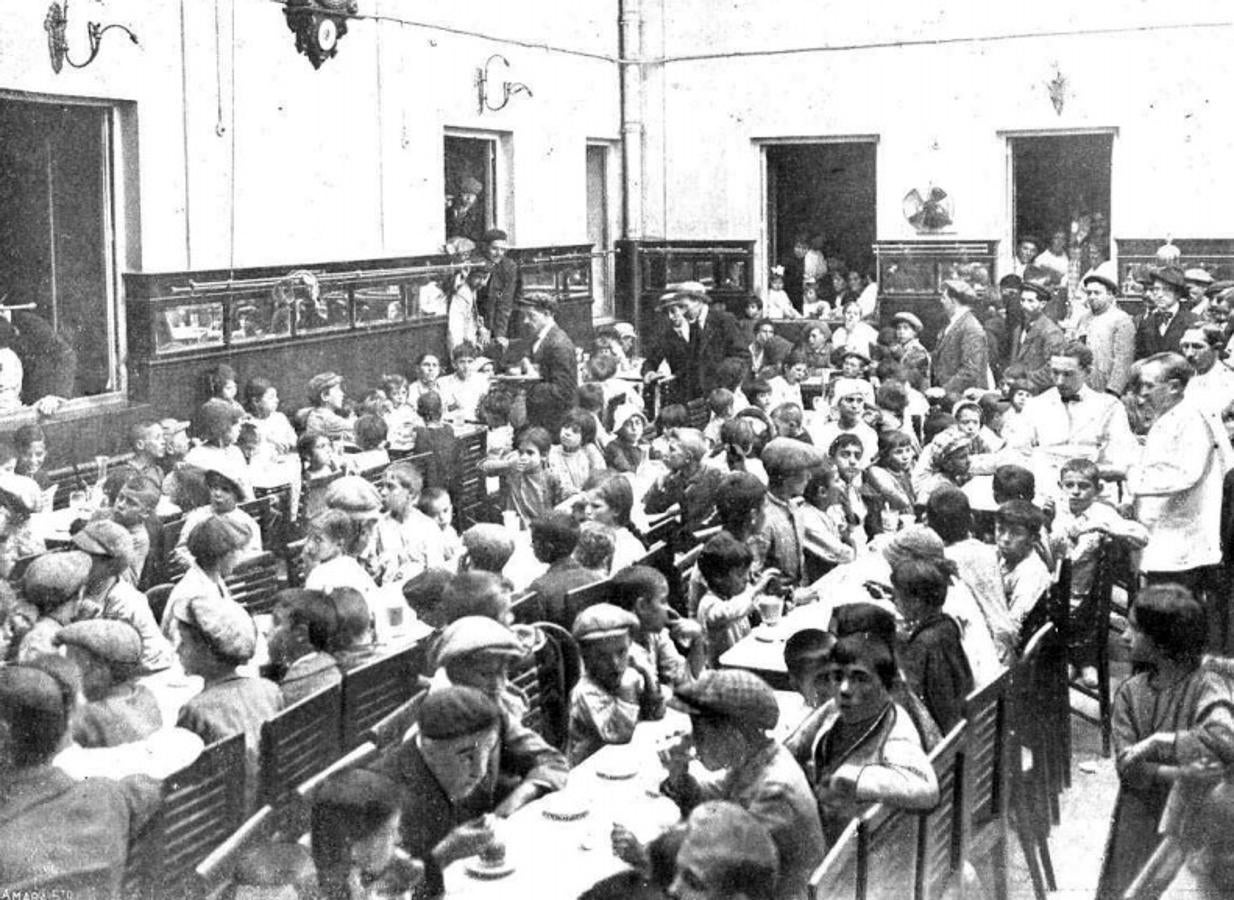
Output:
(499, 297)
(667, 346)
(718, 340)
(1148, 340)
(775, 352)
(553, 396)
(1033, 347)
(961, 356)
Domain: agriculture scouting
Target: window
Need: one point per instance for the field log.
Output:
(472, 188)
(57, 264)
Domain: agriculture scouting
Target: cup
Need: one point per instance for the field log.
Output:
(77, 500)
(510, 519)
(770, 609)
(891, 520)
(907, 520)
(394, 615)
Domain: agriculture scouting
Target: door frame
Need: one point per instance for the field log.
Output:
(613, 212)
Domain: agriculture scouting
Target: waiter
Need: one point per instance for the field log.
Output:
(555, 360)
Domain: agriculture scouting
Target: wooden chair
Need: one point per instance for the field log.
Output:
(837, 877)
(374, 690)
(300, 741)
(658, 557)
(986, 763)
(375, 474)
(157, 598)
(665, 528)
(468, 490)
(266, 512)
(888, 844)
(587, 595)
(1031, 766)
(546, 679)
(1101, 598)
(943, 839)
(526, 608)
(254, 582)
(293, 563)
(697, 413)
(203, 804)
(215, 872)
(679, 585)
(395, 725)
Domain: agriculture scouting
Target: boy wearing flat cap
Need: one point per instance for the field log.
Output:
(54, 830)
(615, 691)
(789, 464)
(731, 711)
(110, 547)
(327, 412)
(913, 353)
(118, 710)
(53, 584)
(226, 492)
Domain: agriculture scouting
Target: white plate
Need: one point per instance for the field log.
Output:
(564, 807)
(478, 868)
(617, 768)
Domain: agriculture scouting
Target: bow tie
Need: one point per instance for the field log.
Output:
(1074, 398)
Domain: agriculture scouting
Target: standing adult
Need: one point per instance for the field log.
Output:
(1025, 252)
(1162, 327)
(1038, 339)
(1108, 331)
(961, 357)
(1176, 486)
(671, 346)
(714, 337)
(768, 350)
(503, 284)
(794, 270)
(552, 352)
(1054, 257)
(1212, 386)
(465, 212)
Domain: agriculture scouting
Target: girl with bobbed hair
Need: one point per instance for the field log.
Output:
(610, 498)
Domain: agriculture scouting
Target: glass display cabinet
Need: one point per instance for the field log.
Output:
(911, 276)
(646, 267)
(1137, 255)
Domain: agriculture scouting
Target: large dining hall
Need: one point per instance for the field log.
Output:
(616, 450)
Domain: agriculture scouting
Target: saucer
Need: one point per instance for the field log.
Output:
(617, 768)
(478, 868)
(563, 807)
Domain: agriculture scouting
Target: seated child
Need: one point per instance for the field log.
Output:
(1080, 527)
(531, 490)
(146, 440)
(788, 421)
(615, 691)
(687, 484)
(671, 417)
(786, 387)
(720, 404)
(807, 657)
(1017, 391)
(52, 584)
(862, 507)
(371, 433)
(724, 609)
(225, 496)
(437, 438)
(824, 518)
(576, 457)
(426, 595)
(406, 542)
(303, 631)
(590, 399)
(467, 385)
(31, 445)
(643, 591)
(283, 869)
(739, 449)
(759, 393)
(931, 655)
(891, 476)
(601, 370)
(1013, 482)
(1017, 527)
(478, 593)
(494, 410)
(596, 548)
(944, 462)
(776, 304)
(436, 504)
(117, 709)
(327, 413)
(353, 639)
(274, 432)
(487, 547)
(401, 418)
(318, 464)
(624, 452)
(356, 820)
(329, 561)
(428, 370)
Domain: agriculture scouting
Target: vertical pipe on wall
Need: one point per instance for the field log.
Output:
(630, 52)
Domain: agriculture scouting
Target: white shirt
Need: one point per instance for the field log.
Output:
(868, 300)
(1214, 390)
(1055, 262)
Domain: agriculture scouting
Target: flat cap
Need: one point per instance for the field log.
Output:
(961, 291)
(470, 185)
(110, 639)
(23, 687)
(103, 537)
(916, 542)
(20, 494)
(321, 382)
(1032, 287)
(848, 387)
(1198, 276)
(1171, 275)
(787, 455)
(1103, 274)
(224, 624)
(455, 710)
(541, 301)
(732, 693)
(172, 426)
(952, 442)
(494, 235)
(353, 495)
(908, 319)
(52, 578)
(722, 836)
(604, 620)
(477, 634)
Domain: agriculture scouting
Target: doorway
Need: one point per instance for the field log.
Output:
(599, 228)
(471, 186)
(823, 191)
(1060, 195)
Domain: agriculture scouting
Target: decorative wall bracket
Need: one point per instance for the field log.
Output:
(318, 26)
(1057, 88)
(508, 88)
(56, 23)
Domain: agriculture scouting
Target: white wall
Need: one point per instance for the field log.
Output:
(248, 156)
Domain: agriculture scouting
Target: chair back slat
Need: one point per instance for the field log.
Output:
(837, 876)
(202, 805)
(395, 725)
(526, 608)
(373, 691)
(986, 710)
(300, 741)
(173, 568)
(587, 595)
(942, 838)
(887, 847)
(254, 582)
(216, 870)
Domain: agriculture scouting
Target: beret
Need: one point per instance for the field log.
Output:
(24, 687)
(488, 535)
(455, 710)
(477, 634)
(52, 578)
(1199, 276)
(470, 185)
(494, 234)
(543, 302)
(321, 382)
(952, 442)
(722, 836)
(111, 639)
(847, 387)
(1103, 274)
(908, 319)
(21, 494)
(1032, 287)
(224, 624)
(102, 537)
(1171, 275)
(916, 542)
(732, 693)
(353, 495)
(787, 455)
(603, 620)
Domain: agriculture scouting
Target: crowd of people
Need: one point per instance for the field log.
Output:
(927, 497)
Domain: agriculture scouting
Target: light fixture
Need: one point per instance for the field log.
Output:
(508, 88)
(318, 26)
(57, 44)
(1057, 88)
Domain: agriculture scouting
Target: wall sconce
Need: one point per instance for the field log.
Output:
(57, 44)
(508, 88)
(318, 26)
